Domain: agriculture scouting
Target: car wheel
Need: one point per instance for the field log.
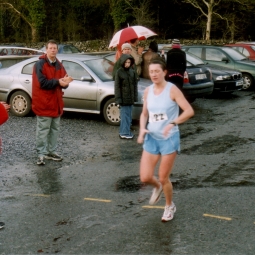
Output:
(20, 104)
(111, 112)
(247, 81)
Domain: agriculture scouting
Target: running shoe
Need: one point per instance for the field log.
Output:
(169, 212)
(156, 193)
(126, 136)
(40, 161)
(54, 156)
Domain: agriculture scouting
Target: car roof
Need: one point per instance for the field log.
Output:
(19, 48)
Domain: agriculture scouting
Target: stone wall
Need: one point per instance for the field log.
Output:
(102, 45)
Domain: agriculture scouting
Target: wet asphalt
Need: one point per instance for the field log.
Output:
(94, 203)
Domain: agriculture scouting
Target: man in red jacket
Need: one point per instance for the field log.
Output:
(48, 79)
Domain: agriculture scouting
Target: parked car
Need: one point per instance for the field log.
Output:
(225, 80)
(11, 54)
(65, 49)
(197, 80)
(226, 57)
(92, 90)
(245, 48)
(18, 51)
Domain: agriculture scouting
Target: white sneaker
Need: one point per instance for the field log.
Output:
(156, 193)
(169, 212)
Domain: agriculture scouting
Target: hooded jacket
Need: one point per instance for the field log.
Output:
(125, 86)
(47, 94)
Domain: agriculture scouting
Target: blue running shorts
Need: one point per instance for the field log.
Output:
(162, 147)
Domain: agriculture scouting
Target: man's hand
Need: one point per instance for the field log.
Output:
(68, 78)
(64, 82)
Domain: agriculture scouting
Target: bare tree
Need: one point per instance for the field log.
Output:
(142, 13)
(207, 10)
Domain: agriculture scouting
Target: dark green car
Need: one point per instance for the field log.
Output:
(228, 58)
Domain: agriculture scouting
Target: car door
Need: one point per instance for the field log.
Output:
(218, 57)
(25, 77)
(81, 94)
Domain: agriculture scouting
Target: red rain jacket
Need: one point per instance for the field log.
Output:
(47, 94)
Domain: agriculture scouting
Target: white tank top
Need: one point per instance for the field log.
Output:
(162, 110)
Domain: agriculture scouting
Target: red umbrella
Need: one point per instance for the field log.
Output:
(130, 33)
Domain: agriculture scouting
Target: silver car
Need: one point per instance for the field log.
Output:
(91, 91)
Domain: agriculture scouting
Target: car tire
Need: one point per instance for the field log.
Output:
(111, 112)
(20, 104)
(248, 82)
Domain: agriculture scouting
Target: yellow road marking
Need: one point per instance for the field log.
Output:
(99, 200)
(153, 207)
(217, 217)
(37, 195)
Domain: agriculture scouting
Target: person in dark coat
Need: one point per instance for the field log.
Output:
(176, 64)
(126, 93)
(149, 55)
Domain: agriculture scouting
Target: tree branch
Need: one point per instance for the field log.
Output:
(10, 6)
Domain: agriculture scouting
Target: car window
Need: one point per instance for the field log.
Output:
(235, 55)
(196, 51)
(194, 59)
(67, 50)
(28, 69)
(75, 70)
(214, 55)
(245, 52)
(74, 49)
(253, 47)
(101, 67)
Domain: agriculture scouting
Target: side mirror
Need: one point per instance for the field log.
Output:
(225, 59)
(86, 78)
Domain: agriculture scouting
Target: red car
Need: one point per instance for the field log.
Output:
(247, 49)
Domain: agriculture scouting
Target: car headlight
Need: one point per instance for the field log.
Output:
(222, 77)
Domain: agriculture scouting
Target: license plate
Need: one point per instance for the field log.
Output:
(239, 83)
(200, 76)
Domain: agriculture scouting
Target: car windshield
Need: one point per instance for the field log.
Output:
(74, 49)
(236, 55)
(101, 67)
(193, 59)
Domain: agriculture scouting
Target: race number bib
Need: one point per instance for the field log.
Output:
(156, 117)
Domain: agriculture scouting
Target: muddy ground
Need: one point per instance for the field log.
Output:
(214, 175)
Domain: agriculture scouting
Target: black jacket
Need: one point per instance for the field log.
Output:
(125, 85)
(176, 61)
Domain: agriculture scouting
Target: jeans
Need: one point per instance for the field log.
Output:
(125, 119)
(47, 131)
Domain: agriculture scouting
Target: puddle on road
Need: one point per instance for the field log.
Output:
(49, 181)
(129, 184)
(237, 174)
(215, 145)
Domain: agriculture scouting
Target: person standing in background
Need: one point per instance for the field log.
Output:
(149, 55)
(125, 49)
(137, 55)
(48, 79)
(126, 93)
(176, 64)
